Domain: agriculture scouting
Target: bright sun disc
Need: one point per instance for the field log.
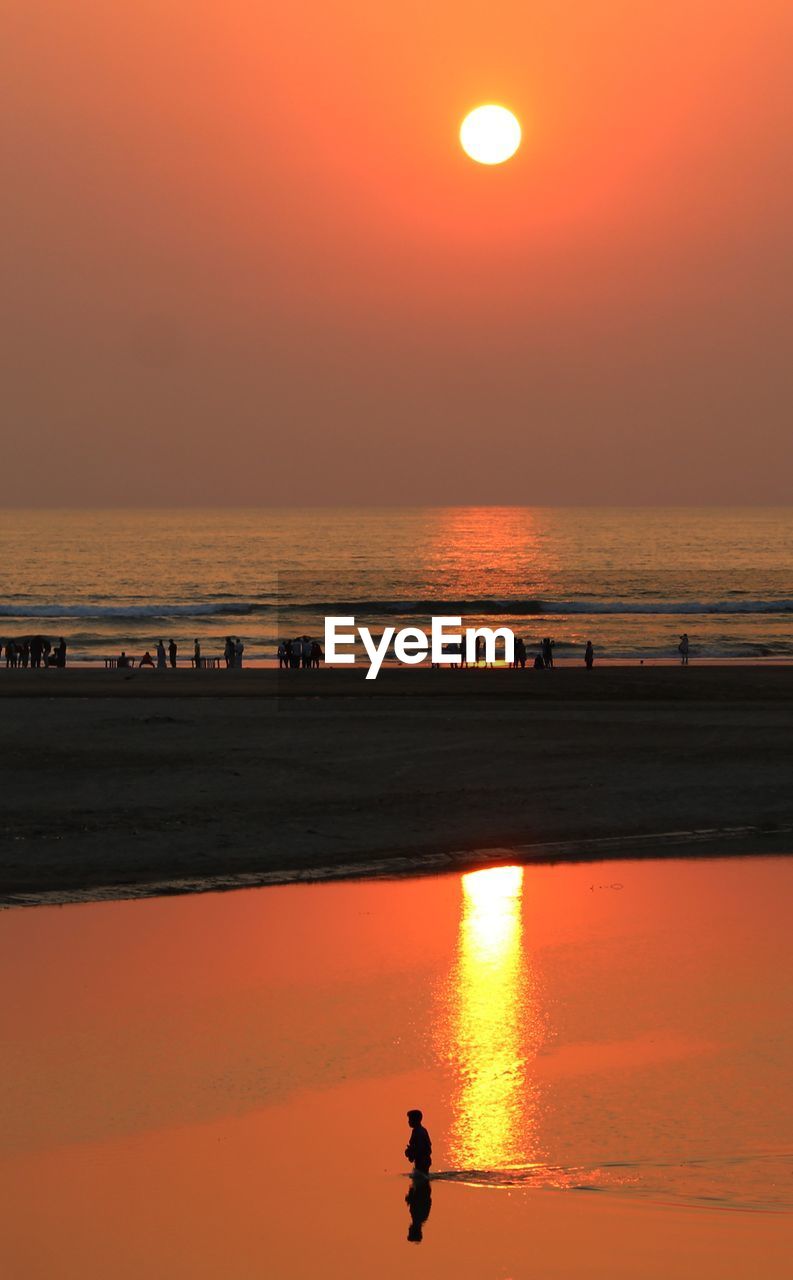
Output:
(490, 134)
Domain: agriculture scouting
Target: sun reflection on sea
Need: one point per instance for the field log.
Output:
(494, 1027)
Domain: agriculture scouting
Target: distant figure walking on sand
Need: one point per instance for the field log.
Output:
(196, 654)
(682, 649)
(239, 649)
(228, 651)
(160, 656)
(589, 656)
(172, 652)
(419, 1149)
(547, 653)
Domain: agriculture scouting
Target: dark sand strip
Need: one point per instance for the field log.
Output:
(180, 781)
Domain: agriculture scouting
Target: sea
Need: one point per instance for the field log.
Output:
(630, 580)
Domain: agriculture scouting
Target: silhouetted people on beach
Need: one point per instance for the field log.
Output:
(419, 1148)
(29, 651)
(419, 1203)
(301, 653)
(124, 661)
(683, 648)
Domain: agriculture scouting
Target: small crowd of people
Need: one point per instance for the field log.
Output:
(233, 651)
(165, 658)
(33, 651)
(543, 660)
(302, 652)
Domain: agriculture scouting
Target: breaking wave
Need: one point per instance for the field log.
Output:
(99, 610)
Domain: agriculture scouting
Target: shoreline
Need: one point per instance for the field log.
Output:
(563, 662)
(707, 843)
(116, 786)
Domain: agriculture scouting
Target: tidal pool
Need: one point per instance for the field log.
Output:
(217, 1085)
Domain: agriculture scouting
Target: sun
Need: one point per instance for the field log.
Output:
(490, 134)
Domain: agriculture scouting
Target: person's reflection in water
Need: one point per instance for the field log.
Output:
(419, 1202)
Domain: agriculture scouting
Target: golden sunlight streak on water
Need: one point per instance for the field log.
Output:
(494, 1027)
(465, 547)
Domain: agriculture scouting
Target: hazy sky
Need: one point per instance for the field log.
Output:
(244, 259)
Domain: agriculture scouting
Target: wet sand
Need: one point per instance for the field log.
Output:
(119, 783)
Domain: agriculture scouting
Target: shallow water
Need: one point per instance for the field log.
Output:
(218, 1085)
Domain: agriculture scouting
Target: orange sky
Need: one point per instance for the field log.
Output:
(245, 260)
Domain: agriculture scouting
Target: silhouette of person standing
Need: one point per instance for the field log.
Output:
(589, 655)
(419, 1149)
(172, 652)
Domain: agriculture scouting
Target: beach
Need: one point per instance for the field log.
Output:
(119, 783)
